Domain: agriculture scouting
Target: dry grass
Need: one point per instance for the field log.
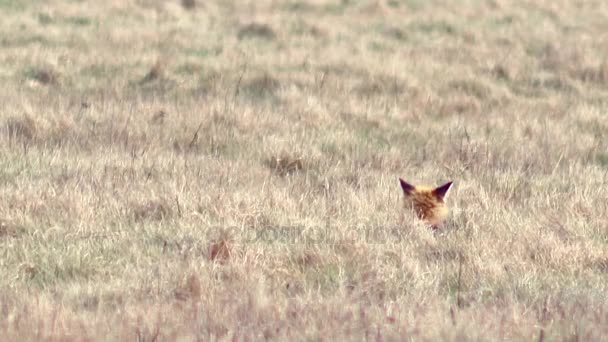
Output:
(180, 170)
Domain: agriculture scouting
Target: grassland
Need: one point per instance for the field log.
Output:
(229, 170)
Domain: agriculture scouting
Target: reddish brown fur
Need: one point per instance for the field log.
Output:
(427, 202)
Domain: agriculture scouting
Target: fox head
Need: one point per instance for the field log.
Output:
(427, 202)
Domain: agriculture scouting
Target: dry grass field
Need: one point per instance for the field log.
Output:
(228, 170)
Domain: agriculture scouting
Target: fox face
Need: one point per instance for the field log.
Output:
(427, 202)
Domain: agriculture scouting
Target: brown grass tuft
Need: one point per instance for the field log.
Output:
(598, 74)
(600, 265)
(256, 30)
(381, 86)
(307, 259)
(190, 289)
(261, 86)
(9, 229)
(459, 105)
(285, 164)
(46, 76)
(23, 128)
(503, 72)
(159, 117)
(221, 249)
(189, 4)
(156, 72)
(152, 210)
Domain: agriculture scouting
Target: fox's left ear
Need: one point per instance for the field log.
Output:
(442, 191)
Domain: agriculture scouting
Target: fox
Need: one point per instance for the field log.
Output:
(427, 202)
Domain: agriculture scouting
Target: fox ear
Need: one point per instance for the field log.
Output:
(407, 187)
(442, 191)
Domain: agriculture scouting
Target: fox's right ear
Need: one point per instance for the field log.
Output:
(407, 187)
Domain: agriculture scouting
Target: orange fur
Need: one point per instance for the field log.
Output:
(427, 202)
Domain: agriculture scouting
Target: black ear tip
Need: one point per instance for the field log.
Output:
(407, 187)
(443, 190)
